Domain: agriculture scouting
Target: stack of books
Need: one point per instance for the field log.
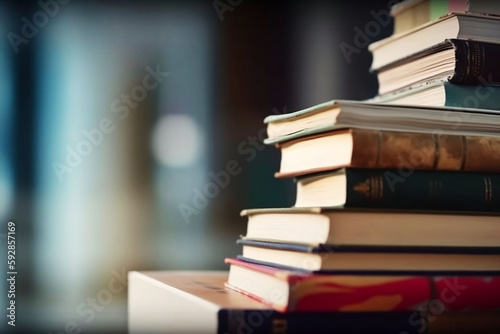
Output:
(396, 224)
(397, 206)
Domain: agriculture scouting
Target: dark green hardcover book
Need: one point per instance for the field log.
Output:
(405, 188)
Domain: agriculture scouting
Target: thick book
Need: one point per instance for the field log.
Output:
(344, 114)
(392, 188)
(437, 260)
(455, 60)
(315, 226)
(198, 302)
(410, 14)
(404, 151)
(291, 291)
(454, 25)
(441, 93)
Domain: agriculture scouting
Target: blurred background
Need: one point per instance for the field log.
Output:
(131, 135)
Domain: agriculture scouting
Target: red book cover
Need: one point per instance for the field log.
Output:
(340, 292)
(463, 293)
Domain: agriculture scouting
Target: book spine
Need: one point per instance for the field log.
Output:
(423, 190)
(476, 63)
(407, 152)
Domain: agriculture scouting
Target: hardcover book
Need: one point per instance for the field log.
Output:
(290, 291)
(315, 226)
(404, 151)
(392, 188)
(368, 259)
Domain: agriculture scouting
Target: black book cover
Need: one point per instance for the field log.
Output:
(476, 62)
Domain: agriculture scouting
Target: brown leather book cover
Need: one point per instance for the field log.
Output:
(416, 151)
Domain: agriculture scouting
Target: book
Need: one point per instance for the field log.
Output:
(389, 188)
(454, 60)
(343, 114)
(410, 14)
(444, 94)
(471, 26)
(315, 226)
(291, 291)
(369, 259)
(404, 151)
(198, 302)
